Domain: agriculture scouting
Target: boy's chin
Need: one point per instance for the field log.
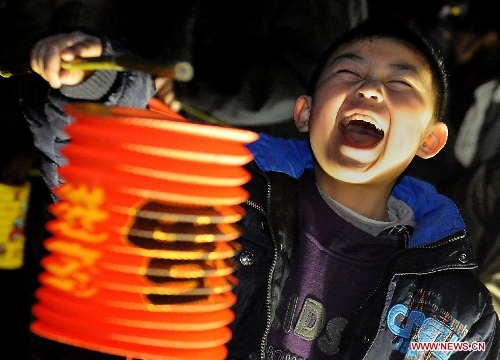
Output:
(356, 176)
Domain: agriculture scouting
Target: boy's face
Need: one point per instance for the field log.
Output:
(372, 111)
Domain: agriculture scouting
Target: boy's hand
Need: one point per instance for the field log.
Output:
(165, 92)
(48, 53)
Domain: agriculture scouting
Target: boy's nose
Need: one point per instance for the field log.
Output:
(369, 90)
(368, 95)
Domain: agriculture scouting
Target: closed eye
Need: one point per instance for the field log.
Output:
(399, 83)
(348, 73)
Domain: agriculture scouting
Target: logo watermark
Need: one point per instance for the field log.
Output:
(448, 346)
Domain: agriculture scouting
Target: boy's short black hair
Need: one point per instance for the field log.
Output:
(410, 34)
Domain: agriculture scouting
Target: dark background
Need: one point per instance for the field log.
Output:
(243, 53)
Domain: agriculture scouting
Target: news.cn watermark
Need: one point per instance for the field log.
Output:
(448, 346)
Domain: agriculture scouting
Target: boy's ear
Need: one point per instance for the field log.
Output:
(434, 142)
(301, 113)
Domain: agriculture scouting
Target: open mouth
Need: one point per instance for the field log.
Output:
(360, 133)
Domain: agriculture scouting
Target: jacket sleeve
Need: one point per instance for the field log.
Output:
(43, 107)
(484, 339)
(477, 194)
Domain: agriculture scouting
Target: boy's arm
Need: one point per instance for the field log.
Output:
(485, 332)
(477, 194)
(44, 101)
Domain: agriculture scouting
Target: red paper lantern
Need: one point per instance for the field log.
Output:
(139, 259)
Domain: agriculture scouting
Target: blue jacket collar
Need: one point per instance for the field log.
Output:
(436, 215)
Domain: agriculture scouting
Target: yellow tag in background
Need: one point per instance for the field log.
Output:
(13, 208)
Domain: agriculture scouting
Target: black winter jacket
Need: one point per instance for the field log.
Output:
(429, 281)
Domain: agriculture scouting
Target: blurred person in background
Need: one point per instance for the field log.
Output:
(472, 31)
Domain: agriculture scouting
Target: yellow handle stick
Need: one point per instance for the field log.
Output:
(178, 70)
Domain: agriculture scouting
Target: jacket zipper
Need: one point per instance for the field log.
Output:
(256, 206)
(270, 275)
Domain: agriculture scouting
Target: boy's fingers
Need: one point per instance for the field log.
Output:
(71, 77)
(163, 84)
(47, 54)
(85, 48)
(175, 105)
(165, 92)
